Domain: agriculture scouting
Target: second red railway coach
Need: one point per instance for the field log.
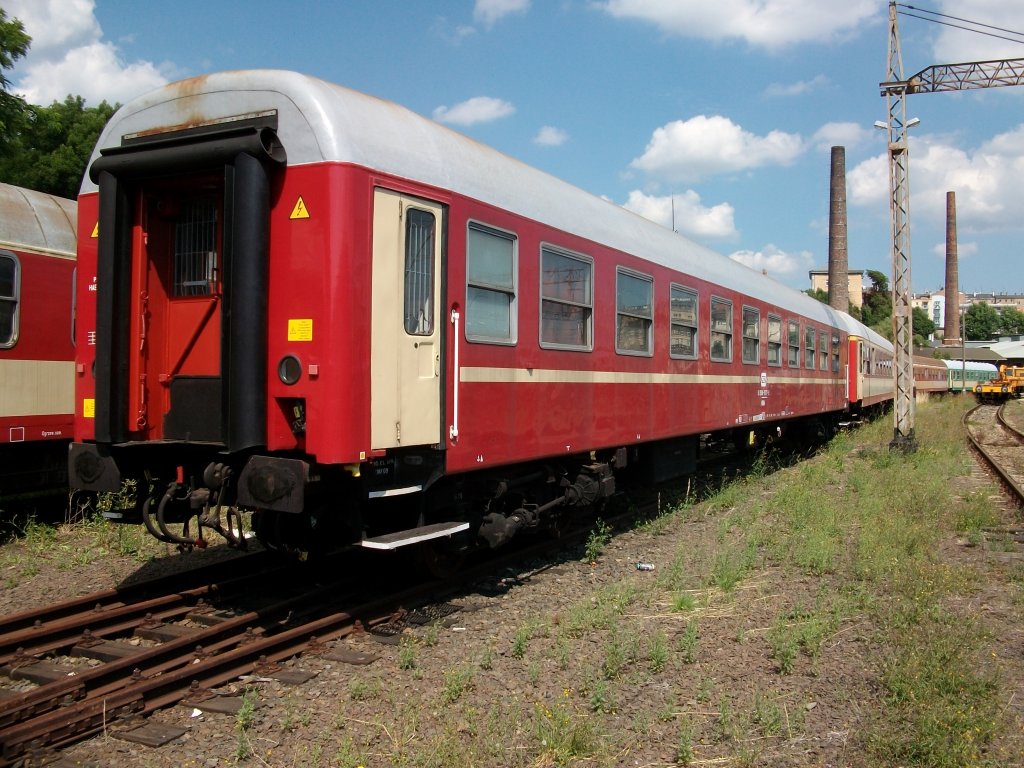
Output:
(37, 268)
(306, 302)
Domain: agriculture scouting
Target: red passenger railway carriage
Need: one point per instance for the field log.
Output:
(37, 267)
(319, 306)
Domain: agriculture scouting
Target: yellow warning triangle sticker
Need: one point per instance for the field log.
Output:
(299, 211)
(95, 230)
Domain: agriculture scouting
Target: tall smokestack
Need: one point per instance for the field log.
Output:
(951, 332)
(838, 262)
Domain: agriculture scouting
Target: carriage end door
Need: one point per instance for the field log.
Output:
(405, 356)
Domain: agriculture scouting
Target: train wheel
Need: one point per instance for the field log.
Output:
(441, 558)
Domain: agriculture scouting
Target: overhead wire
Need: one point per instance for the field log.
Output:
(1018, 39)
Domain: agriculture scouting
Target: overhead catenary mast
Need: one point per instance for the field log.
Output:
(895, 89)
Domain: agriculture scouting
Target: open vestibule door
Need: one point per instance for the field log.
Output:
(176, 307)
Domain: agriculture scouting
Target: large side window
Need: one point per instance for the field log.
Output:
(419, 272)
(490, 285)
(683, 313)
(9, 290)
(793, 342)
(774, 340)
(823, 351)
(751, 335)
(634, 312)
(721, 330)
(835, 353)
(567, 300)
(809, 335)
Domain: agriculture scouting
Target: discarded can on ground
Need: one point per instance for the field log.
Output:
(645, 566)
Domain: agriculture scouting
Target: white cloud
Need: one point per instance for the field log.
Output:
(54, 30)
(847, 135)
(953, 45)
(68, 56)
(963, 249)
(796, 89)
(986, 180)
(691, 217)
(452, 36)
(774, 261)
(688, 150)
(92, 71)
(549, 136)
(479, 109)
(489, 12)
(867, 183)
(769, 24)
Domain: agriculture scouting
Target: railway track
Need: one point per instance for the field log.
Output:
(102, 661)
(1000, 443)
(93, 665)
(107, 660)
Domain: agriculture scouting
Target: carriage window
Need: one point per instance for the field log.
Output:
(634, 313)
(419, 272)
(8, 299)
(567, 300)
(835, 353)
(794, 344)
(774, 340)
(683, 315)
(809, 335)
(490, 285)
(751, 335)
(823, 351)
(721, 330)
(195, 249)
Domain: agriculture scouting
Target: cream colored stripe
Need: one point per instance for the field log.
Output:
(471, 375)
(37, 249)
(36, 387)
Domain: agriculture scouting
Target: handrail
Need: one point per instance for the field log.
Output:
(453, 430)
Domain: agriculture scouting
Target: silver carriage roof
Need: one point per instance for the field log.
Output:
(322, 122)
(38, 222)
(956, 365)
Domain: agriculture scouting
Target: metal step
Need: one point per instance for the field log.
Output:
(413, 535)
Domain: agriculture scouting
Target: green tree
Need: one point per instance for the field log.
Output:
(981, 322)
(817, 293)
(877, 307)
(14, 44)
(923, 326)
(52, 147)
(1012, 321)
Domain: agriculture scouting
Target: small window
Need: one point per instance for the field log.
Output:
(419, 272)
(774, 340)
(683, 315)
(721, 330)
(809, 336)
(10, 275)
(794, 344)
(751, 335)
(823, 351)
(490, 285)
(634, 315)
(835, 353)
(195, 249)
(567, 300)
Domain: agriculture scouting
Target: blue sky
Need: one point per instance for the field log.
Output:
(729, 108)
